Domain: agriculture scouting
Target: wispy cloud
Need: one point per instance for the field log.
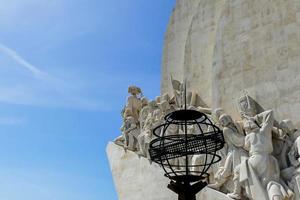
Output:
(43, 88)
(23, 63)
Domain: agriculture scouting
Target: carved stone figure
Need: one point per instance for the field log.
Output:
(292, 174)
(235, 142)
(247, 107)
(250, 166)
(248, 161)
(144, 112)
(177, 92)
(283, 140)
(255, 172)
(130, 115)
(258, 174)
(145, 137)
(165, 97)
(120, 140)
(151, 121)
(158, 99)
(134, 102)
(130, 131)
(165, 108)
(157, 117)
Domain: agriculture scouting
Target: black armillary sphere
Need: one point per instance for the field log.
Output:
(186, 147)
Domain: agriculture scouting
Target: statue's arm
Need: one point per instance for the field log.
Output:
(131, 126)
(297, 145)
(234, 137)
(294, 153)
(129, 102)
(292, 157)
(277, 133)
(247, 143)
(267, 119)
(204, 110)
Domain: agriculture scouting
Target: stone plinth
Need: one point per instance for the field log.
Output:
(136, 179)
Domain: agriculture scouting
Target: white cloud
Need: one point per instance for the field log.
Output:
(42, 27)
(42, 88)
(22, 62)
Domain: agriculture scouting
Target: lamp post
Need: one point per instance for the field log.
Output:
(175, 151)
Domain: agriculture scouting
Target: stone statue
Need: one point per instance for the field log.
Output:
(283, 139)
(165, 97)
(130, 115)
(151, 121)
(130, 131)
(158, 99)
(235, 141)
(145, 137)
(255, 172)
(291, 174)
(134, 102)
(258, 174)
(120, 140)
(250, 162)
(165, 108)
(178, 91)
(144, 111)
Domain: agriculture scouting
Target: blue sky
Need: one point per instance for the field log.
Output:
(64, 70)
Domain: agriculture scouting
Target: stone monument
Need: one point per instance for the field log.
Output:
(239, 59)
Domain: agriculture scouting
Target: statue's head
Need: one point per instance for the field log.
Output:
(164, 105)
(134, 90)
(217, 113)
(225, 120)
(158, 99)
(144, 101)
(250, 126)
(287, 126)
(165, 97)
(176, 85)
(192, 107)
(246, 106)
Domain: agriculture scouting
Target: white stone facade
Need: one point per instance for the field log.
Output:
(222, 47)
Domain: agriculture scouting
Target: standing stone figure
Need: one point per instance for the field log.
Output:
(235, 142)
(130, 130)
(134, 102)
(178, 91)
(130, 115)
(258, 174)
(145, 137)
(294, 171)
(144, 112)
(283, 140)
(146, 129)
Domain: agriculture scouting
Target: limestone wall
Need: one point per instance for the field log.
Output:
(222, 47)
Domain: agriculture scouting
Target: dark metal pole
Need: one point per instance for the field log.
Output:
(186, 191)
